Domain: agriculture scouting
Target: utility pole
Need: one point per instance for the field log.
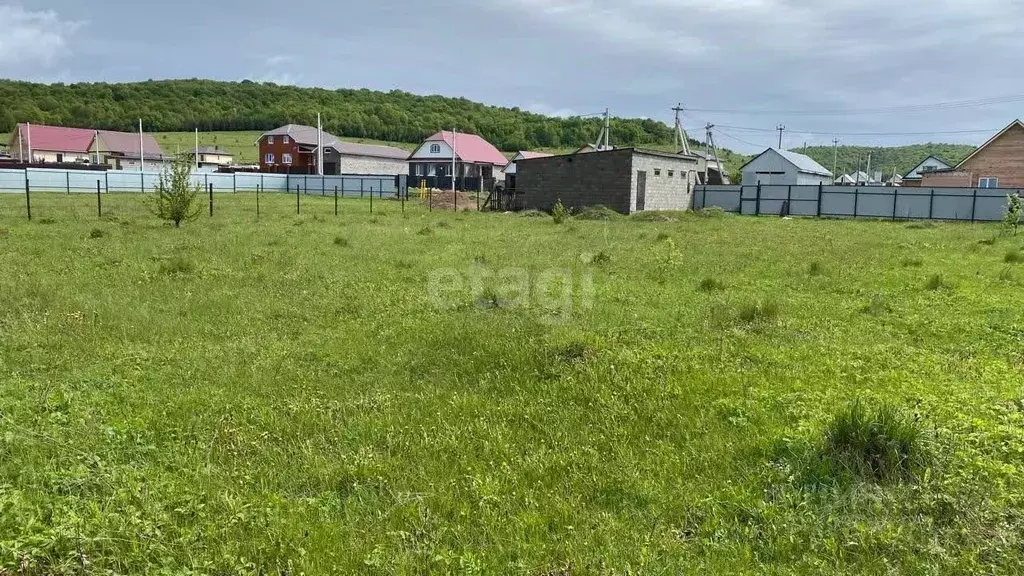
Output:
(707, 149)
(607, 127)
(835, 156)
(682, 141)
(781, 128)
(197, 149)
(319, 146)
(869, 169)
(712, 149)
(142, 152)
(453, 165)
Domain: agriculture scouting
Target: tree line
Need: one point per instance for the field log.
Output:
(884, 160)
(183, 105)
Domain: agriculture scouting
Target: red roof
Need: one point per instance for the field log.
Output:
(56, 138)
(471, 148)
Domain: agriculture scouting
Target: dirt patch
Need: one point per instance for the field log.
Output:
(446, 200)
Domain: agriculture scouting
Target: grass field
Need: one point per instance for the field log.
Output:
(373, 394)
(242, 144)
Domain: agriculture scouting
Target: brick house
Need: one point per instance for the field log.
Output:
(998, 163)
(292, 149)
(626, 180)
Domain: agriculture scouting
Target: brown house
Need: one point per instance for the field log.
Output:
(998, 163)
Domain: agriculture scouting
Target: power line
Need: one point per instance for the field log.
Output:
(740, 140)
(879, 110)
(817, 133)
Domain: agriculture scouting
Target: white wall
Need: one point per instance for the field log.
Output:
(929, 163)
(771, 161)
(664, 192)
(424, 153)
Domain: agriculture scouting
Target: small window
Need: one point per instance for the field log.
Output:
(671, 173)
(657, 171)
(435, 148)
(269, 159)
(270, 139)
(286, 140)
(988, 182)
(286, 158)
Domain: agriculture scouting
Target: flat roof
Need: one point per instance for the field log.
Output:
(632, 150)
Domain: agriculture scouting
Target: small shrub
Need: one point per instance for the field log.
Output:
(912, 262)
(662, 236)
(559, 214)
(760, 312)
(177, 265)
(177, 199)
(1013, 212)
(96, 233)
(711, 212)
(881, 443)
(598, 212)
(710, 285)
(815, 269)
(574, 352)
(426, 231)
(936, 282)
(1014, 257)
(488, 300)
(341, 241)
(877, 307)
(480, 260)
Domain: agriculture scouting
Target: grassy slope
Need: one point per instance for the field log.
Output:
(286, 402)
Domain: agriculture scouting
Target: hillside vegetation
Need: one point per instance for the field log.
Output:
(183, 105)
(903, 158)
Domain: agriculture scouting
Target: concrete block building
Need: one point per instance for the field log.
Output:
(626, 180)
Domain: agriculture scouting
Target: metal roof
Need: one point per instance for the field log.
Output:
(307, 136)
(803, 163)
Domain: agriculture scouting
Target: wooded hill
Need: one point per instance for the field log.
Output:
(903, 158)
(183, 105)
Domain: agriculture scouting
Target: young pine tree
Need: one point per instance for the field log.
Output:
(177, 199)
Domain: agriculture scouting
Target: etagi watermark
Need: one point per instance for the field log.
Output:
(555, 293)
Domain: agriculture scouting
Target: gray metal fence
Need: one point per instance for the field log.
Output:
(86, 181)
(971, 204)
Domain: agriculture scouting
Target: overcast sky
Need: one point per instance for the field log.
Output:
(844, 59)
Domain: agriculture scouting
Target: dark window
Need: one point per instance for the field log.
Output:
(671, 173)
(657, 171)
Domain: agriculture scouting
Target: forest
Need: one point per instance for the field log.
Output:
(395, 116)
(901, 158)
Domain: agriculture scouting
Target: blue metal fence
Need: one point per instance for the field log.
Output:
(86, 181)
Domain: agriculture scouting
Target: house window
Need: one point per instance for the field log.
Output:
(270, 139)
(671, 173)
(285, 139)
(269, 159)
(286, 158)
(435, 148)
(988, 182)
(657, 171)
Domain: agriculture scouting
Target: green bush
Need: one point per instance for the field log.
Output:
(559, 213)
(97, 233)
(341, 241)
(710, 285)
(177, 198)
(876, 443)
(1014, 257)
(815, 269)
(936, 282)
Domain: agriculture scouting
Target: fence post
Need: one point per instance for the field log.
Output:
(757, 201)
(258, 199)
(234, 182)
(974, 204)
(298, 198)
(106, 180)
(895, 197)
(261, 181)
(931, 203)
(28, 196)
(789, 200)
(856, 200)
(67, 175)
(360, 187)
(455, 198)
(430, 199)
(371, 199)
(211, 199)
(335, 200)
(99, 201)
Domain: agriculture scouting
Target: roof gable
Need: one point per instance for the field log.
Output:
(917, 169)
(469, 148)
(128, 143)
(1015, 123)
(802, 163)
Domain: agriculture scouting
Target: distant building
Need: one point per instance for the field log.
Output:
(213, 156)
(121, 151)
(292, 149)
(998, 163)
(774, 167)
(846, 180)
(912, 179)
(626, 180)
(41, 144)
(510, 168)
(474, 157)
(709, 162)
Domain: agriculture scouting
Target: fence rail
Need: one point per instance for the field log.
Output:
(85, 181)
(969, 204)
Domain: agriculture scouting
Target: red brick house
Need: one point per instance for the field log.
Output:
(998, 163)
(292, 149)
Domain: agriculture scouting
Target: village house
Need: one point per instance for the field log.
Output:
(212, 156)
(292, 149)
(474, 157)
(58, 144)
(998, 163)
(912, 179)
(626, 180)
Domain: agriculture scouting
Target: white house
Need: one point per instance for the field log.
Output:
(775, 167)
(929, 164)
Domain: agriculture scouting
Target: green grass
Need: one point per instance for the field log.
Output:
(243, 396)
(241, 143)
